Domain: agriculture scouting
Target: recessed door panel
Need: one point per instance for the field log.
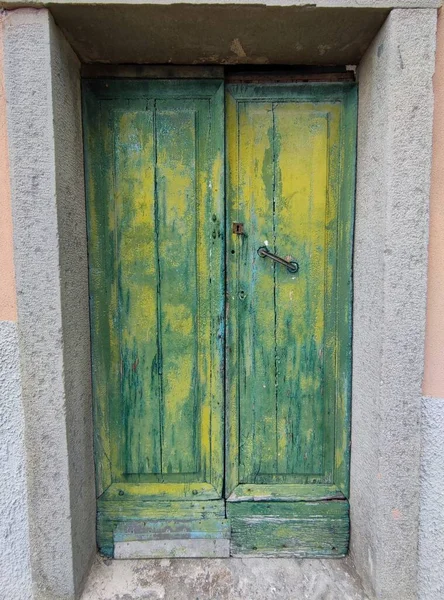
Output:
(287, 201)
(139, 447)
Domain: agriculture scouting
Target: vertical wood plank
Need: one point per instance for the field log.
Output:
(211, 285)
(347, 175)
(231, 308)
(137, 272)
(300, 297)
(176, 223)
(255, 300)
(101, 272)
(334, 303)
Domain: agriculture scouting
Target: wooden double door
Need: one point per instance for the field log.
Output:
(220, 238)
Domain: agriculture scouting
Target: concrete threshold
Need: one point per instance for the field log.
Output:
(223, 579)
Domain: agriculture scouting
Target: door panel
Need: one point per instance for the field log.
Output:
(154, 159)
(133, 187)
(300, 225)
(290, 184)
(282, 200)
(178, 291)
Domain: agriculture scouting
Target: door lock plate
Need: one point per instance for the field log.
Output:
(238, 228)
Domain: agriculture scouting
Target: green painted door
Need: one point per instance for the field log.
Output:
(290, 152)
(155, 187)
(174, 234)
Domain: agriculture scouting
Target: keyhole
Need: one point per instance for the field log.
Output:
(242, 295)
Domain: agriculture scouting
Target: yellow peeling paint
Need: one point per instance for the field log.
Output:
(157, 235)
(157, 289)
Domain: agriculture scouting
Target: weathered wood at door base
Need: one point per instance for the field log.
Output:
(284, 529)
(112, 516)
(173, 549)
(169, 538)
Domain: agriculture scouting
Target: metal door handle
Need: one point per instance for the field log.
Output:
(292, 266)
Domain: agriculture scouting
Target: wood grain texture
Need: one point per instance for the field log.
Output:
(154, 161)
(111, 513)
(283, 529)
(177, 224)
(291, 183)
(134, 149)
(155, 173)
(172, 529)
(172, 538)
(153, 491)
(284, 492)
(176, 548)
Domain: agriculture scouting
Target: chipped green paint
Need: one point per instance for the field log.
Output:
(154, 162)
(284, 492)
(155, 183)
(112, 513)
(169, 529)
(291, 158)
(300, 529)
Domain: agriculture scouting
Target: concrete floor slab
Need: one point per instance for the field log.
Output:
(223, 579)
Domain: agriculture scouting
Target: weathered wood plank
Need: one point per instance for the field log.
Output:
(178, 548)
(344, 289)
(255, 300)
(284, 492)
(232, 329)
(178, 321)
(211, 281)
(300, 211)
(161, 509)
(112, 512)
(139, 429)
(172, 529)
(157, 491)
(98, 146)
(298, 529)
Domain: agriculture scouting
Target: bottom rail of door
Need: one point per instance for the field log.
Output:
(212, 529)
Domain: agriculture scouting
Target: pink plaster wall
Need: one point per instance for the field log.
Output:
(8, 307)
(434, 349)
